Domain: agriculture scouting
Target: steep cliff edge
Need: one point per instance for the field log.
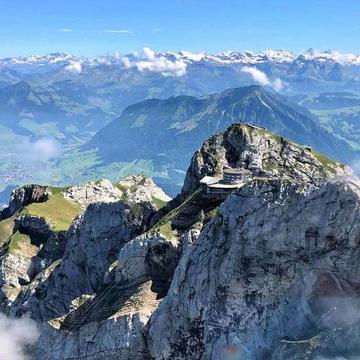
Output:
(276, 266)
(127, 276)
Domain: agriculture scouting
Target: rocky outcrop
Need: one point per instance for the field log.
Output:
(31, 247)
(140, 188)
(24, 196)
(30, 224)
(134, 188)
(261, 152)
(278, 263)
(148, 257)
(93, 192)
(121, 338)
(75, 294)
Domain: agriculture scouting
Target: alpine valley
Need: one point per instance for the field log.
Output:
(58, 107)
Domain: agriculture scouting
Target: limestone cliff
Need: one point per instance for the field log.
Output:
(274, 272)
(257, 276)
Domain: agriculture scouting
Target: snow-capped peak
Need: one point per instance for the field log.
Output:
(329, 55)
(168, 59)
(51, 58)
(270, 55)
(229, 57)
(38, 63)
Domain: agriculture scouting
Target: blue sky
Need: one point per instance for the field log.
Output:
(100, 27)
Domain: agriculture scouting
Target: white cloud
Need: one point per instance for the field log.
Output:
(157, 63)
(257, 75)
(127, 63)
(118, 31)
(277, 84)
(261, 78)
(74, 67)
(65, 30)
(15, 335)
(150, 54)
(42, 149)
(157, 30)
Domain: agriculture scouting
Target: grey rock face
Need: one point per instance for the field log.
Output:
(23, 196)
(102, 191)
(110, 324)
(92, 245)
(148, 257)
(117, 337)
(278, 262)
(132, 188)
(84, 311)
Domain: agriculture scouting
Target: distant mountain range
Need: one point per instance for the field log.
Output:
(52, 111)
(244, 57)
(76, 96)
(153, 74)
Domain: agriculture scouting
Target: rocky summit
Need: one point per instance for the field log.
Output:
(256, 258)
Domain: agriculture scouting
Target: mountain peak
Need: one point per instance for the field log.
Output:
(263, 153)
(246, 57)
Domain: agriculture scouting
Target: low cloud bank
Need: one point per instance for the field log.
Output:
(74, 67)
(261, 78)
(15, 336)
(157, 63)
(42, 149)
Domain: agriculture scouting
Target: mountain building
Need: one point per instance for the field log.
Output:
(218, 188)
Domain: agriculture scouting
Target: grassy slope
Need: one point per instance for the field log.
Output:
(58, 210)
(16, 240)
(158, 202)
(6, 229)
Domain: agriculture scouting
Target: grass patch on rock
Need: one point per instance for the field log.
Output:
(58, 210)
(327, 163)
(6, 229)
(15, 241)
(159, 203)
